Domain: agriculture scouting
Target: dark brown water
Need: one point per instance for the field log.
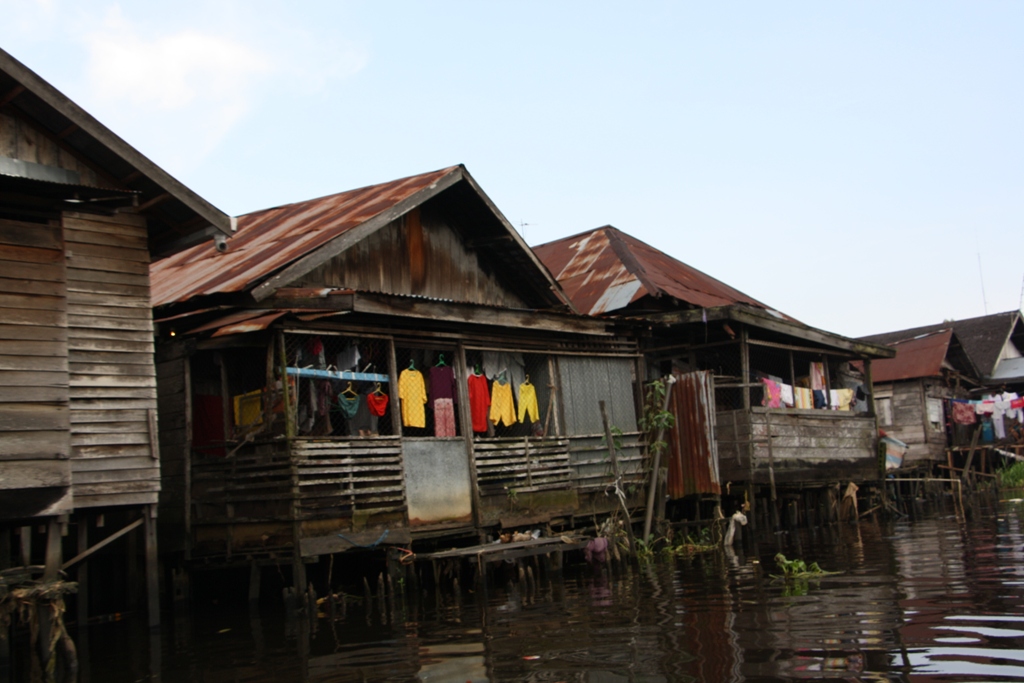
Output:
(936, 598)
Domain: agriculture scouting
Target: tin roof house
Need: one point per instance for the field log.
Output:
(82, 213)
(386, 365)
(761, 400)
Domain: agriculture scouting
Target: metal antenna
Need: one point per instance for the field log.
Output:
(1020, 303)
(981, 274)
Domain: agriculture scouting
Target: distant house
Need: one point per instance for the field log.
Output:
(324, 381)
(757, 388)
(960, 359)
(81, 215)
(912, 390)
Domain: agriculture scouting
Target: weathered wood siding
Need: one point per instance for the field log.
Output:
(910, 418)
(112, 374)
(418, 254)
(34, 437)
(806, 446)
(20, 140)
(174, 408)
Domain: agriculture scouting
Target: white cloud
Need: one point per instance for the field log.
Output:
(200, 83)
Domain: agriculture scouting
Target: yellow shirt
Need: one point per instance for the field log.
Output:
(413, 395)
(528, 402)
(502, 407)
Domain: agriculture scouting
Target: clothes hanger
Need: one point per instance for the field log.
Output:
(412, 364)
(350, 390)
(476, 369)
(527, 380)
(440, 361)
(378, 390)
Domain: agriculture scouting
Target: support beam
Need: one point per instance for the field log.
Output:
(102, 544)
(152, 568)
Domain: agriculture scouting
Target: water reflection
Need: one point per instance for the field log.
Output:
(926, 599)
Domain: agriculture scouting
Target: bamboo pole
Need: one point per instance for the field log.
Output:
(670, 381)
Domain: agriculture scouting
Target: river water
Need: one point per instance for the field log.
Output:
(936, 597)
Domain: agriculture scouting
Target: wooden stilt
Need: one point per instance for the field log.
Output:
(26, 546)
(53, 551)
(254, 583)
(152, 568)
(83, 572)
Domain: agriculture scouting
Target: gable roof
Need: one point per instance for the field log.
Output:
(176, 216)
(605, 270)
(275, 247)
(922, 356)
(983, 338)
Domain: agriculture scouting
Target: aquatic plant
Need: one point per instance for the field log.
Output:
(798, 569)
(1013, 476)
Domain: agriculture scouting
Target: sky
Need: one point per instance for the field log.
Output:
(856, 165)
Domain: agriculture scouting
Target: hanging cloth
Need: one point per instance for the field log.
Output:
(378, 403)
(412, 393)
(479, 401)
(503, 410)
(528, 403)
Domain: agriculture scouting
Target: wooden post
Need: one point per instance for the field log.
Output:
(966, 474)
(466, 418)
(745, 365)
(771, 471)
(254, 582)
(26, 545)
(51, 572)
(83, 570)
(152, 567)
(289, 414)
(615, 471)
(670, 381)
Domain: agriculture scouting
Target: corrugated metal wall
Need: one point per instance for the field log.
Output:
(585, 382)
(693, 459)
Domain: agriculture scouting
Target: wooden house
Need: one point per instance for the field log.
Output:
(934, 364)
(324, 379)
(81, 215)
(762, 399)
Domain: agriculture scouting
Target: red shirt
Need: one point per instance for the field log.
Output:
(479, 401)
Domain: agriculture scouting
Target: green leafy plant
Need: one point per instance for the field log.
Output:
(1012, 476)
(798, 569)
(654, 419)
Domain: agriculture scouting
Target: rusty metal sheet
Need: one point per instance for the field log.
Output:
(252, 325)
(919, 357)
(693, 450)
(269, 240)
(605, 270)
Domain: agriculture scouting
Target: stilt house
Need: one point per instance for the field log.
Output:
(81, 215)
(385, 365)
(761, 399)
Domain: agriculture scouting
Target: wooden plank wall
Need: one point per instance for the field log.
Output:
(450, 269)
(20, 140)
(112, 374)
(910, 420)
(34, 446)
(807, 446)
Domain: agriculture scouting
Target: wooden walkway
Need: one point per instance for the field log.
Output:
(497, 552)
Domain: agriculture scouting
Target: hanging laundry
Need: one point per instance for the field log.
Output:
(377, 402)
(772, 394)
(845, 398)
(528, 403)
(833, 399)
(819, 399)
(984, 407)
(786, 395)
(479, 401)
(444, 417)
(348, 358)
(817, 376)
(503, 410)
(964, 413)
(412, 392)
(804, 398)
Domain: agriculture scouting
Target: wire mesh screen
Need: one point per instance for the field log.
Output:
(727, 365)
(339, 385)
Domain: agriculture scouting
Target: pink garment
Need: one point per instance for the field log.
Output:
(817, 377)
(772, 394)
(444, 417)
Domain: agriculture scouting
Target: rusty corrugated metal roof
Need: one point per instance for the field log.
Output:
(605, 270)
(918, 357)
(269, 240)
